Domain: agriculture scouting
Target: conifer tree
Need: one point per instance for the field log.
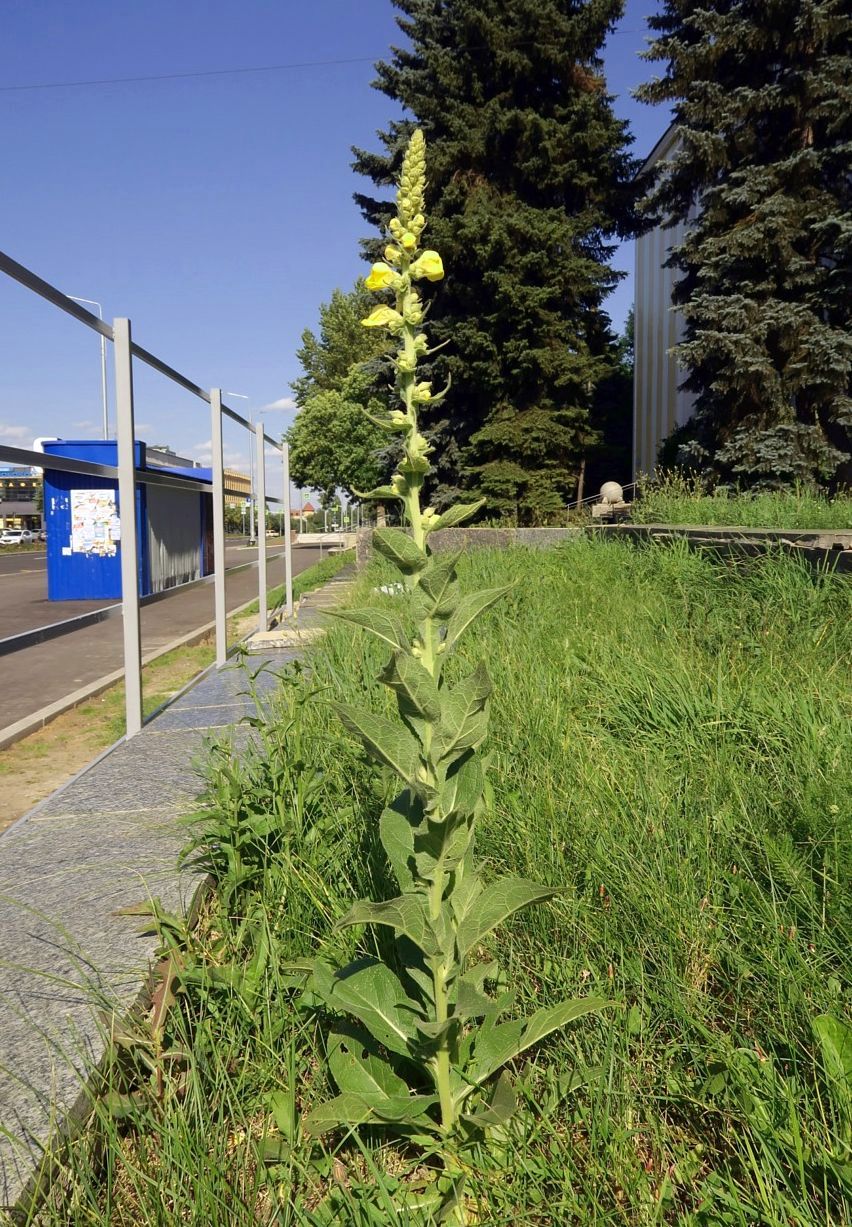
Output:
(530, 183)
(761, 94)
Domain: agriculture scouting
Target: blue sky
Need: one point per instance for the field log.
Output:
(215, 211)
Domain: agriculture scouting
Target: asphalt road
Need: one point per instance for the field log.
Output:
(23, 588)
(34, 677)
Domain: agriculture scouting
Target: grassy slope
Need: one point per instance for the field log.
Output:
(675, 500)
(668, 741)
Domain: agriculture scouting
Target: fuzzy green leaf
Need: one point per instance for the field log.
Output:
(416, 689)
(396, 830)
(385, 626)
(501, 1109)
(835, 1040)
(494, 1046)
(464, 720)
(351, 1109)
(386, 741)
(498, 901)
(357, 1065)
(469, 609)
(400, 548)
(407, 914)
(457, 515)
(371, 992)
(377, 492)
(438, 592)
(462, 789)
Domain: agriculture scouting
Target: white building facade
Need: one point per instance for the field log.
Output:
(658, 405)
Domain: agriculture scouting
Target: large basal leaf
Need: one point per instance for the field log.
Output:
(835, 1040)
(469, 609)
(498, 901)
(388, 742)
(414, 686)
(350, 1110)
(396, 830)
(496, 1045)
(457, 515)
(371, 992)
(385, 626)
(464, 722)
(406, 915)
(357, 1065)
(400, 548)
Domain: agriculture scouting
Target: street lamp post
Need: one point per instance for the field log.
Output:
(241, 396)
(104, 404)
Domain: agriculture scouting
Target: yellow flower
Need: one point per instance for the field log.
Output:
(381, 276)
(408, 240)
(383, 317)
(428, 265)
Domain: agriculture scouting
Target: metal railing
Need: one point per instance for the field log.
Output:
(125, 473)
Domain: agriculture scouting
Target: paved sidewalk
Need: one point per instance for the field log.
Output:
(108, 839)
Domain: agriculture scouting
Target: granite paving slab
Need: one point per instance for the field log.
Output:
(108, 839)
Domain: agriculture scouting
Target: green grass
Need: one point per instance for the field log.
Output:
(306, 581)
(670, 748)
(677, 500)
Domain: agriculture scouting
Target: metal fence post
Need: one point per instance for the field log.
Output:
(220, 613)
(129, 527)
(263, 621)
(288, 524)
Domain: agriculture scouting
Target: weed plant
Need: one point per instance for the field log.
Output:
(676, 498)
(670, 743)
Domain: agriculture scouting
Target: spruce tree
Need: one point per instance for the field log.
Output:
(762, 105)
(530, 183)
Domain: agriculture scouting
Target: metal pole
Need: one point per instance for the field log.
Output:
(219, 607)
(288, 546)
(251, 489)
(129, 529)
(263, 621)
(104, 386)
(104, 404)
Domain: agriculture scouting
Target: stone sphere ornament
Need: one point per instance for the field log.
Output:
(611, 492)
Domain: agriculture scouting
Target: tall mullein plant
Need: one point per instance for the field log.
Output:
(422, 1035)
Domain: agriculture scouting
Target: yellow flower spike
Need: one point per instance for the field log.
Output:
(381, 276)
(383, 317)
(428, 265)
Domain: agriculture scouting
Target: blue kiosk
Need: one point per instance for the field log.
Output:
(83, 521)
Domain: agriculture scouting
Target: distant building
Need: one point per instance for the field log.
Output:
(166, 457)
(20, 497)
(237, 488)
(658, 404)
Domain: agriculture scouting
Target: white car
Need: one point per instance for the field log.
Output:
(16, 536)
